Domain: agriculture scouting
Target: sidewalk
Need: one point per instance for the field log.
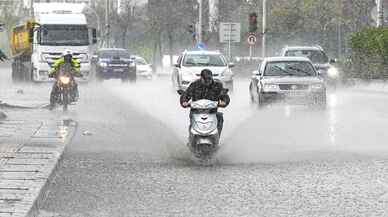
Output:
(29, 153)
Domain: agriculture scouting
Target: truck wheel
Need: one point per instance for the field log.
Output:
(15, 73)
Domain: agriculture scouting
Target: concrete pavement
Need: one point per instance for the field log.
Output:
(31, 145)
(29, 153)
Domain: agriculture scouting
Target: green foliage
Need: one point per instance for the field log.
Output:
(370, 53)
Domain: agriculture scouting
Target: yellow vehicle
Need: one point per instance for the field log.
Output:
(38, 43)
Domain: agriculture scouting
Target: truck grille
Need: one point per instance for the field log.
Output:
(52, 57)
(293, 86)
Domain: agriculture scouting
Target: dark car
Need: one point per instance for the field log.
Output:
(113, 63)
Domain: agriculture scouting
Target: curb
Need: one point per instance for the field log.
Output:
(3, 116)
(11, 106)
(43, 191)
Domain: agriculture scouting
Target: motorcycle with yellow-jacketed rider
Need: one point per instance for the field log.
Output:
(65, 88)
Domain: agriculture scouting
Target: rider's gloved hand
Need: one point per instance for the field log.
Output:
(185, 104)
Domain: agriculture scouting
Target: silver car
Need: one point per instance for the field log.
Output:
(293, 79)
(190, 64)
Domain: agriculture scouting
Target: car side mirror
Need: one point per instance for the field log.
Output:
(231, 65)
(177, 65)
(256, 73)
(180, 92)
(333, 61)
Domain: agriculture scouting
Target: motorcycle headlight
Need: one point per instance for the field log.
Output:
(317, 86)
(271, 87)
(64, 79)
(332, 72)
(103, 65)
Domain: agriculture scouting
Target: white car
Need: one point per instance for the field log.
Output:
(293, 79)
(319, 59)
(190, 64)
(143, 69)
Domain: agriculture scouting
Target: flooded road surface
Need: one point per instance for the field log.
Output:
(129, 156)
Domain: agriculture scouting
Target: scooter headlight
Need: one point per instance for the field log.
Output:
(64, 79)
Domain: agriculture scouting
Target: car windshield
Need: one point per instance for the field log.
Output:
(141, 61)
(203, 60)
(316, 56)
(107, 54)
(289, 68)
(62, 35)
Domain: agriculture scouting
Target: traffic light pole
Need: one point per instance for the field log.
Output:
(264, 31)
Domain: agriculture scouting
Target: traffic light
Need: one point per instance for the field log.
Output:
(252, 22)
(191, 29)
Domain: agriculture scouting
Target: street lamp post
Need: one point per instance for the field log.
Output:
(200, 22)
(380, 13)
(264, 30)
(107, 33)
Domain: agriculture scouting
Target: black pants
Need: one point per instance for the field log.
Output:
(55, 93)
(220, 121)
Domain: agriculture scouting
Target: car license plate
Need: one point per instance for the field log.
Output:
(118, 70)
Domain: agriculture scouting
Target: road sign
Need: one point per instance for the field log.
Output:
(230, 32)
(251, 39)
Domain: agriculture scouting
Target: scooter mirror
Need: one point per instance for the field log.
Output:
(180, 92)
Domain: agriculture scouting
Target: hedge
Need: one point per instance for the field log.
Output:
(369, 59)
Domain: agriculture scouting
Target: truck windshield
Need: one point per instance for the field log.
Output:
(64, 35)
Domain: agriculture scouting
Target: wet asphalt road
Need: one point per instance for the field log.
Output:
(129, 159)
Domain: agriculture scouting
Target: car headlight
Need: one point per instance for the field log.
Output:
(83, 58)
(227, 72)
(332, 72)
(44, 57)
(317, 86)
(103, 64)
(271, 87)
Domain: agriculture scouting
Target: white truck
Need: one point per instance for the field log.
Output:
(55, 27)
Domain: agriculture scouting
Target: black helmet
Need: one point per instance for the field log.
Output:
(207, 76)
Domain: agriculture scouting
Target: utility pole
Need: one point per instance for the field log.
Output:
(380, 13)
(264, 31)
(200, 22)
(107, 25)
(32, 8)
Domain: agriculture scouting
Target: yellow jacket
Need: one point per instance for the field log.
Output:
(60, 61)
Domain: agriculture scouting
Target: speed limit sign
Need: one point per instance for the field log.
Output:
(252, 39)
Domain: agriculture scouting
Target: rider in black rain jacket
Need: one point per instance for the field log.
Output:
(207, 88)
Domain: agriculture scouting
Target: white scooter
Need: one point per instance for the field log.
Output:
(203, 131)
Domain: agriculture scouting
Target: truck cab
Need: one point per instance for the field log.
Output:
(53, 32)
